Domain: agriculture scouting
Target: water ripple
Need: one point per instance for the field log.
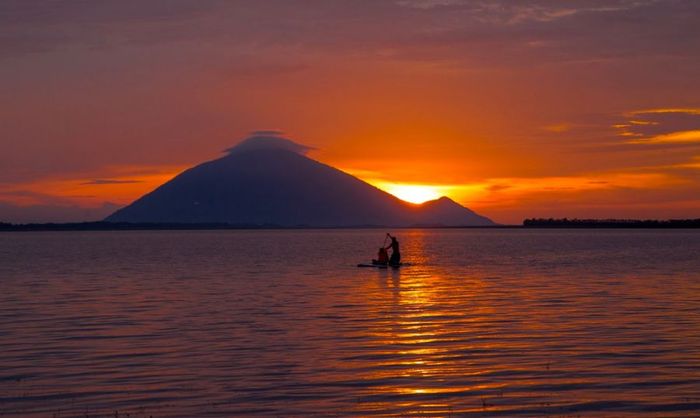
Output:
(280, 323)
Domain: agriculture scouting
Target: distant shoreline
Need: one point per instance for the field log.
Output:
(126, 226)
(534, 223)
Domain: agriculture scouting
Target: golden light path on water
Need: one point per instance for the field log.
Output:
(447, 348)
(415, 325)
(282, 323)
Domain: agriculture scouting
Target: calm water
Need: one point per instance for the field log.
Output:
(282, 323)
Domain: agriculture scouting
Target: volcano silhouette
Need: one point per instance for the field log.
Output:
(267, 180)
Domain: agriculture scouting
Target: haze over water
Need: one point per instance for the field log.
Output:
(282, 323)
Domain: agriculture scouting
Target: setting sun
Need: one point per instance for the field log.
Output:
(413, 193)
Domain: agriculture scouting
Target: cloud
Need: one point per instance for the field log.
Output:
(559, 127)
(498, 187)
(693, 164)
(510, 12)
(110, 181)
(477, 32)
(673, 137)
(267, 139)
(41, 213)
(656, 194)
(269, 132)
(524, 33)
(86, 190)
(45, 25)
(24, 197)
(671, 125)
(687, 111)
(429, 4)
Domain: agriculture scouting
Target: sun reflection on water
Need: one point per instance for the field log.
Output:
(475, 326)
(425, 335)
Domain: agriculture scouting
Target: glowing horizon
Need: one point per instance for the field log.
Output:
(412, 193)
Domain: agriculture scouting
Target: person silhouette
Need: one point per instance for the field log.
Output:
(395, 258)
(382, 257)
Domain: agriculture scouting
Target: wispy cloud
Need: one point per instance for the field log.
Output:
(673, 137)
(559, 127)
(129, 182)
(509, 12)
(15, 213)
(666, 125)
(110, 181)
(663, 110)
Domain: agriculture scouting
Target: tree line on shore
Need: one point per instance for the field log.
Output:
(610, 223)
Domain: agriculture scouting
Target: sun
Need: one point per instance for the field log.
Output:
(413, 193)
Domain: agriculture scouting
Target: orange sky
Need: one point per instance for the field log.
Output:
(516, 110)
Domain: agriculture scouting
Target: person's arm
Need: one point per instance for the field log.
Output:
(392, 240)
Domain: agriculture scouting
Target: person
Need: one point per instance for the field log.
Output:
(395, 259)
(382, 257)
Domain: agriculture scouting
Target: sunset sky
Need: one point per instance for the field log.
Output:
(513, 108)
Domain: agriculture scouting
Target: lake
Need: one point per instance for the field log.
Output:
(484, 322)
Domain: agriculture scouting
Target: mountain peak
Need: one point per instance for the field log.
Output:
(444, 199)
(265, 181)
(268, 140)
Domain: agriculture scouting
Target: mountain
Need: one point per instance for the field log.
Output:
(266, 180)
